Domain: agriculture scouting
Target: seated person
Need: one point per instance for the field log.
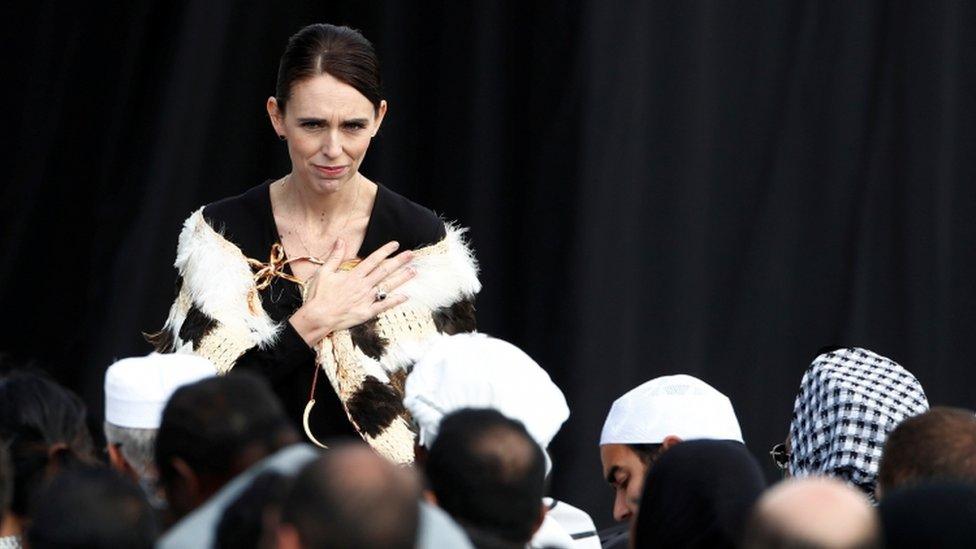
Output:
(488, 473)
(938, 514)
(939, 444)
(813, 512)
(93, 508)
(651, 418)
(136, 389)
(350, 497)
(477, 371)
(698, 494)
(43, 426)
(215, 437)
(849, 400)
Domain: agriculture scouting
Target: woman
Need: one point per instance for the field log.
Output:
(42, 433)
(303, 273)
(698, 494)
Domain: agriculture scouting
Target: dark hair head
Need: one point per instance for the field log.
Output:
(92, 508)
(213, 423)
(242, 525)
(936, 514)
(341, 52)
(939, 444)
(43, 425)
(698, 494)
(488, 473)
(351, 497)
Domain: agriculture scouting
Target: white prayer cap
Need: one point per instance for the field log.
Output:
(136, 389)
(477, 371)
(678, 405)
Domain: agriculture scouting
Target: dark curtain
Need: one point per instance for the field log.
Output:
(714, 188)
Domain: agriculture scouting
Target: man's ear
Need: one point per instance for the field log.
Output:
(119, 463)
(669, 441)
(542, 517)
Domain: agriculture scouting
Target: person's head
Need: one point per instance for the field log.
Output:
(488, 473)
(812, 512)
(651, 418)
(849, 400)
(698, 494)
(936, 514)
(136, 390)
(351, 497)
(211, 431)
(251, 520)
(43, 426)
(477, 371)
(939, 444)
(328, 104)
(93, 508)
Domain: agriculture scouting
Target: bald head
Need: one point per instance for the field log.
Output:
(811, 513)
(351, 497)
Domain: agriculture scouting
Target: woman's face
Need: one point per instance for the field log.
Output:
(328, 125)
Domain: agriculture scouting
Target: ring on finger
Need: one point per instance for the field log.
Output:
(380, 293)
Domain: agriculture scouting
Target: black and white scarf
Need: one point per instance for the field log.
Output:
(849, 400)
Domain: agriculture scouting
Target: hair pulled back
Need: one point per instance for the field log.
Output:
(341, 52)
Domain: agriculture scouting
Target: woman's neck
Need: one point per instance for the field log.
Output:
(322, 210)
(10, 525)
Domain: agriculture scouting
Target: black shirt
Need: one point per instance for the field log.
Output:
(247, 220)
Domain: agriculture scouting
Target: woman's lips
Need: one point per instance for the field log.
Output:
(330, 171)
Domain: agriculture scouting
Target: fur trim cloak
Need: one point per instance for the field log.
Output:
(218, 314)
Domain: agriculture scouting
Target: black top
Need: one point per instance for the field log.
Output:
(247, 220)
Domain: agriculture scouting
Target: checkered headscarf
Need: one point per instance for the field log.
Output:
(850, 399)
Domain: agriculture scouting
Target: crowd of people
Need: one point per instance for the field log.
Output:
(197, 459)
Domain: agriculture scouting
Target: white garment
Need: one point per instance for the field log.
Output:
(477, 371)
(565, 527)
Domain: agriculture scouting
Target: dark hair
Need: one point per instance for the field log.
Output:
(36, 415)
(92, 508)
(488, 473)
(699, 493)
(646, 452)
(242, 524)
(939, 444)
(341, 52)
(209, 424)
(351, 497)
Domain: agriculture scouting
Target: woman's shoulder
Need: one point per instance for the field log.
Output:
(396, 217)
(243, 219)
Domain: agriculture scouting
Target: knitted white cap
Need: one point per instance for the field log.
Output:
(477, 371)
(136, 389)
(678, 405)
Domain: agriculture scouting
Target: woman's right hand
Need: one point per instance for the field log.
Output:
(337, 300)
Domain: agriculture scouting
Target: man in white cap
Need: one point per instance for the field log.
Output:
(477, 371)
(136, 390)
(651, 418)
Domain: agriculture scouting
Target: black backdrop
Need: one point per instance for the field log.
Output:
(714, 188)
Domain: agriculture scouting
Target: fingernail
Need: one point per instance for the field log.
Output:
(396, 244)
